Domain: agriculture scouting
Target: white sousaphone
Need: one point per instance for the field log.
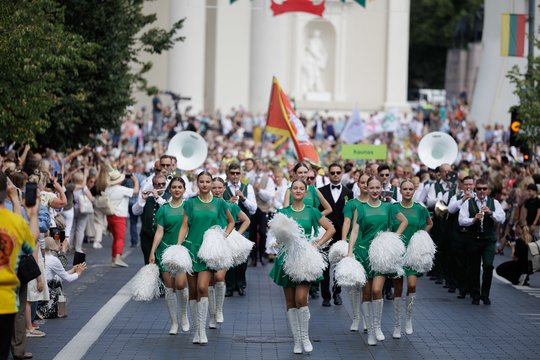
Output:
(189, 148)
(437, 148)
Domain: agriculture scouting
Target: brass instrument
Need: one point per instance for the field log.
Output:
(441, 210)
(189, 148)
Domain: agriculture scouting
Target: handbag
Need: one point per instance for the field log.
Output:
(104, 204)
(28, 268)
(534, 256)
(60, 221)
(85, 205)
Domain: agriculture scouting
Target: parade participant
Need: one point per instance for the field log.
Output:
(336, 195)
(200, 214)
(244, 196)
(150, 199)
(296, 294)
(313, 196)
(264, 188)
(459, 243)
(368, 221)
(168, 220)
(348, 213)
(418, 219)
(216, 289)
(390, 192)
(119, 197)
(480, 215)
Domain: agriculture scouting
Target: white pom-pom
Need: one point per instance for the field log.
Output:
(338, 251)
(386, 253)
(271, 244)
(350, 273)
(303, 262)
(285, 229)
(240, 247)
(214, 250)
(420, 252)
(145, 284)
(176, 259)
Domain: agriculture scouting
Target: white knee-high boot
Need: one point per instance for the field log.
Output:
(183, 299)
(303, 316)
(368, 316)
(195, 320)
(377, 318)
(220, 298)
(212, 307)
(170, 298)
(294, 324)
(397, 318)
(408, 322)
(355, 297)
(202, 310)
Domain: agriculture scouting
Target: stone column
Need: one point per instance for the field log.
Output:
(186, 59)
(268, 55)
(397, 54)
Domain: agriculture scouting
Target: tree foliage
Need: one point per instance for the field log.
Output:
(36, 56)
(528, 91)
(432, 25)
(82, 61)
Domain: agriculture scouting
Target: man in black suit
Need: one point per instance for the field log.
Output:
(337, 195)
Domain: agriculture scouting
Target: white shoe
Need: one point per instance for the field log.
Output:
(397, 319)
(292, 316)
(212, 307)
(409, 308)
(368, 316)
(303, 317)
(195, 320)
(220, 298)
(377, 318)
(97, 245)
(202, 312)
(355, 295)
(119, 262)
(170, 298)
(184, 301)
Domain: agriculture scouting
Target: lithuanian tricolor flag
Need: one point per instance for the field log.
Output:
(513, 34)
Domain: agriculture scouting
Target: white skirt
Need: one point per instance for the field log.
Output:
(33, 293)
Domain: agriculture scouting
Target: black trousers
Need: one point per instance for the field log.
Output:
(236, 277)
(510, 270)
(459, 264)
(146, 246)
(325, 285)
(481, 254)
(7, 325)
(257, 232)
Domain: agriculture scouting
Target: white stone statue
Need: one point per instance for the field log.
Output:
(313, 64)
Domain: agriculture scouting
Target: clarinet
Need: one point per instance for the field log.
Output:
(482, 212)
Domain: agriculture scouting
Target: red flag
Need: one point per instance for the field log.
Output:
(297, 6)
(282, 120)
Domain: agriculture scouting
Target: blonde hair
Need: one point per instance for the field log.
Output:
(78, 178)
(51, 244)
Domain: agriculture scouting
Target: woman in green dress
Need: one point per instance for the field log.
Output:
(313, 196)
(296, 294)
(201, 212)
(348, 214)
(370, 219)
(216, 289)
(418, 219)
(168, 220)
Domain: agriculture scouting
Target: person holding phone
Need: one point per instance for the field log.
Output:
(54, 275)
(369, 220)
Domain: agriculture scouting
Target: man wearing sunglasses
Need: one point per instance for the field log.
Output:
(337, 195)
(480, 215)
(389, 191)
(149, 201)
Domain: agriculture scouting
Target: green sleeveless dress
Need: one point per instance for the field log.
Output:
(171, 220)
(416, 216)
(308, 219)
(371, 221)
(201, 217)
(348, 212)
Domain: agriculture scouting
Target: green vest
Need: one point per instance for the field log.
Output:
(488, 225)
(228, 194)
(148, 217)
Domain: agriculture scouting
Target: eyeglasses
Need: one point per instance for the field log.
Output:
(335, 172)
(481, 189)
(234, 172)
(311, 177)
(385, 175)
(159, 184)
(166, 165)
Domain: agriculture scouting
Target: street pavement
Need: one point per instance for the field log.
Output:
(103, 323)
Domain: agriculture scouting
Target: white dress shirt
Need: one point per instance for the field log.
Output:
(433, 197)
(266, 194)
(464, 220)
(250, 202)
(336, 192)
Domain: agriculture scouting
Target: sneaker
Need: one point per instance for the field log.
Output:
(35, 333)
(97, 245)
(522, 279)
(35, 325)
(120, 262)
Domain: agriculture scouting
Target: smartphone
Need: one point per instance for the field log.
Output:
(30, 194)
(79, 258)
(59, 179)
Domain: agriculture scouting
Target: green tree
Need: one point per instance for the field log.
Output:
(96, 98)
(36, 56)
(528, 91)
(432, 24)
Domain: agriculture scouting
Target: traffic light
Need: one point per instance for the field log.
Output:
(515, 140)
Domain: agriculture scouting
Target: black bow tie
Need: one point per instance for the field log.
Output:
(335, 187)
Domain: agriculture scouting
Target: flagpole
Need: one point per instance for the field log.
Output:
(267, 116)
